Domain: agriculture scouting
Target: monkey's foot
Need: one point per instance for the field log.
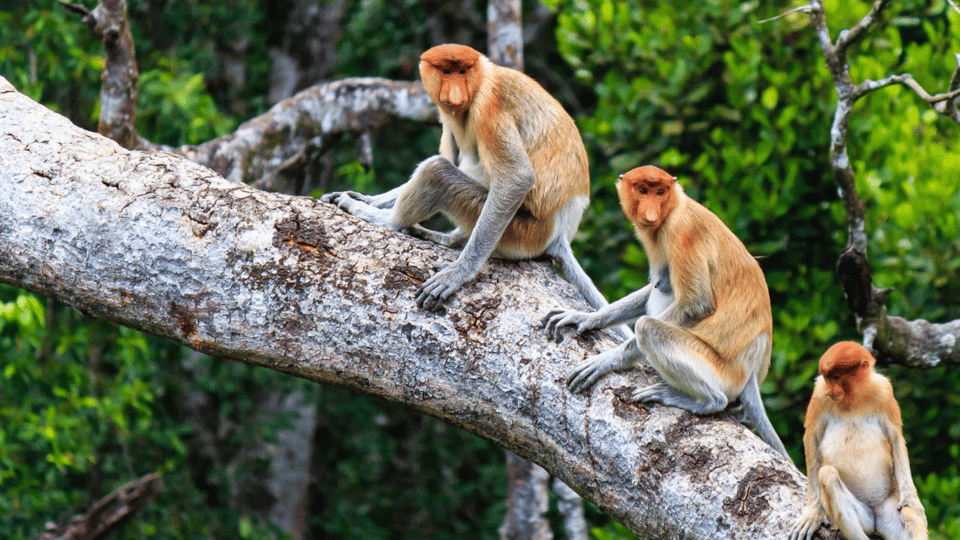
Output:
(655, 393)
(558, 319)
(356, 207)
(587, 373)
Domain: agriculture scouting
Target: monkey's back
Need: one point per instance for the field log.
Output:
(740, 294)
(549, 135)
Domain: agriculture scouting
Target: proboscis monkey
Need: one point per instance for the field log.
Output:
(512, 174)
(857, 461)
(703, 322)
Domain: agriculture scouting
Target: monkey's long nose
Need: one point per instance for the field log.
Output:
(454, 97)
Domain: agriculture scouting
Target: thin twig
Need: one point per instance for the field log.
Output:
(800, 9)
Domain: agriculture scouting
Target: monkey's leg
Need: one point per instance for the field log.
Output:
(591, 369)
(843, 508)
(903, 524)
(436, 185)
(560, 250)
(686, 363)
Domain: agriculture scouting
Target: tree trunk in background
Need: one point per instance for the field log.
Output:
(527, 501)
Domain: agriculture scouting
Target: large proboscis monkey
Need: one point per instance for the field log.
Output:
(857, 461)
(512, 174)
(703, 322)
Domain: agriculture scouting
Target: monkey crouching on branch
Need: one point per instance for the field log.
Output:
(512, 174)
(703, 322)
(857, 462)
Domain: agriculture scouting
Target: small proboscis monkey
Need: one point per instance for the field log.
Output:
(703, 322)
(512, 174)
(857, 461)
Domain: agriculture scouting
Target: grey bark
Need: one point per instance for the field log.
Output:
(163, 245)
(917, 343)
(527, 501)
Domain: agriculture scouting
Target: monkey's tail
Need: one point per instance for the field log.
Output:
(757, 415)
(561, 251)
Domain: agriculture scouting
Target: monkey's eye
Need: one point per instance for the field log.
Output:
(660, 193)
(643, 191)
(445, 71)
(463, 72)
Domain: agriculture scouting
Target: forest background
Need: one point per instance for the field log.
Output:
(740, 110)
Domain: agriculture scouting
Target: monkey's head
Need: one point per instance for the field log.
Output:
(648, 195)
(451, 74)
(845, 367)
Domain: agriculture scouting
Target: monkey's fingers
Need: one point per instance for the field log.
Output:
(584, 376)
(804, 529)
(438, 288)
(552, 324)
(334, 197)
(655, 393)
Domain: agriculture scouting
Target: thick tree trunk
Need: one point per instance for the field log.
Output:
(157, 243)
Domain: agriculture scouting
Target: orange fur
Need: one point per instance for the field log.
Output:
(706, 260)
(854, 435)
(503, 118)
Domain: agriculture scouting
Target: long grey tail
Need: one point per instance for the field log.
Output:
(561, 251)
(754, 411)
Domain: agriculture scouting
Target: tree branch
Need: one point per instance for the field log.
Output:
(262, 147)
(157, 243)
(107, 513)
(892, 339)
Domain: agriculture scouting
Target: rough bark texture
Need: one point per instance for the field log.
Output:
(160, 244)
(893, 339)
(107, 513)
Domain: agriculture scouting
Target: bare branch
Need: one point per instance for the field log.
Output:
(913, 343)
(265, 145)
(108, 513)
(855, 34)
(798, 9)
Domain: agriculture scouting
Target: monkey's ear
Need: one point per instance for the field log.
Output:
(620, 177)
(674, 178)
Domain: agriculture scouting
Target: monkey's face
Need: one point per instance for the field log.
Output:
(845, 367)
(451, 74)
(647, 195)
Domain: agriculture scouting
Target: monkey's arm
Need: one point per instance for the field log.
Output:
(813, 514)
(901, 470)
(626, 309)
(511, 178)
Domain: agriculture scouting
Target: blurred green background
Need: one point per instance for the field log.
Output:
(739, 110)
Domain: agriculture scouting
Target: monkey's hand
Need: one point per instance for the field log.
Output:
(558, 319)
(597, 366)
(440, 286)
(808, 524)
